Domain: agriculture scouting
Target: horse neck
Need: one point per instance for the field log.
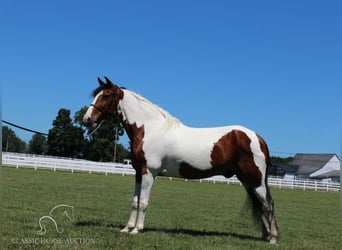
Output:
(139, 111)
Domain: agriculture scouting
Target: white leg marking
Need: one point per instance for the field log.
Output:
(133, 217)
(146, 186)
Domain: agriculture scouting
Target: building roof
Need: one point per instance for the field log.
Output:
(310, 163)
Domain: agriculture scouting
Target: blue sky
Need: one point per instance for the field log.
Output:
(272, 66)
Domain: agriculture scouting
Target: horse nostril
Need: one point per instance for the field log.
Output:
(87, 120)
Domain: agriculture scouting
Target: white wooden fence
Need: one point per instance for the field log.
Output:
(67, 164)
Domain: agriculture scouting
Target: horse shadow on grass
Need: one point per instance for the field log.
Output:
(173, 231)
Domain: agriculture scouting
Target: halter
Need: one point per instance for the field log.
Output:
(105, 110)
(99, 109)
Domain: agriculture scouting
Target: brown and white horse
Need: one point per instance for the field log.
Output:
(161, 144)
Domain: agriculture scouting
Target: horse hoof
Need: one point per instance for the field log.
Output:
(125, 230)
(273, 241)
(134, 231)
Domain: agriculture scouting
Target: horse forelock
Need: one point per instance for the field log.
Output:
(99, 89)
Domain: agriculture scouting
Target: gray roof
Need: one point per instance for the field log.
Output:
(309, 163)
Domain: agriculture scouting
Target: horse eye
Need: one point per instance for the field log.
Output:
(105, 97)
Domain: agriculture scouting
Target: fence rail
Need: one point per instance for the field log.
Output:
(56, 163)
(68, 164)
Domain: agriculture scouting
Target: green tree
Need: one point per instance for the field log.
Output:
(277, 159)
(122, 153)
(65, 139)
(11, 142)
(100, 146)
(78, 118)
(37, 144)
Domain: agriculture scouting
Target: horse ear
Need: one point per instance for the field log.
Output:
(109, 81)
(100, 81)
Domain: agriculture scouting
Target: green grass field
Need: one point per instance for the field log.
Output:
(181, 215)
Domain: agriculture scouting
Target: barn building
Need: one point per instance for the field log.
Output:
(309, 166)
(317, 166)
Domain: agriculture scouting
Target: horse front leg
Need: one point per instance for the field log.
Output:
(141, 197)
(134, 212)
(145, 191)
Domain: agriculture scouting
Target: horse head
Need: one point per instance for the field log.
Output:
(105, 103)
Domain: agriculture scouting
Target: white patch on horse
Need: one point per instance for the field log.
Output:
(163, 135)
(259, 159)
(91, 108)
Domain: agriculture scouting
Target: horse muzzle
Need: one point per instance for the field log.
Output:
(90, 123)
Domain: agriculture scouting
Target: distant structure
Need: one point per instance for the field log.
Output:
(309, 166)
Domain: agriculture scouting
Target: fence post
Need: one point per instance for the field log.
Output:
(18, 162)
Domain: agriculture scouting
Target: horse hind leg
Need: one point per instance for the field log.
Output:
(263, 211)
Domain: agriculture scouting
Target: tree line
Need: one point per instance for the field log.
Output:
(68, 138)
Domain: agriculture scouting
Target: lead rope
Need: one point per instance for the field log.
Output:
(97, 127)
